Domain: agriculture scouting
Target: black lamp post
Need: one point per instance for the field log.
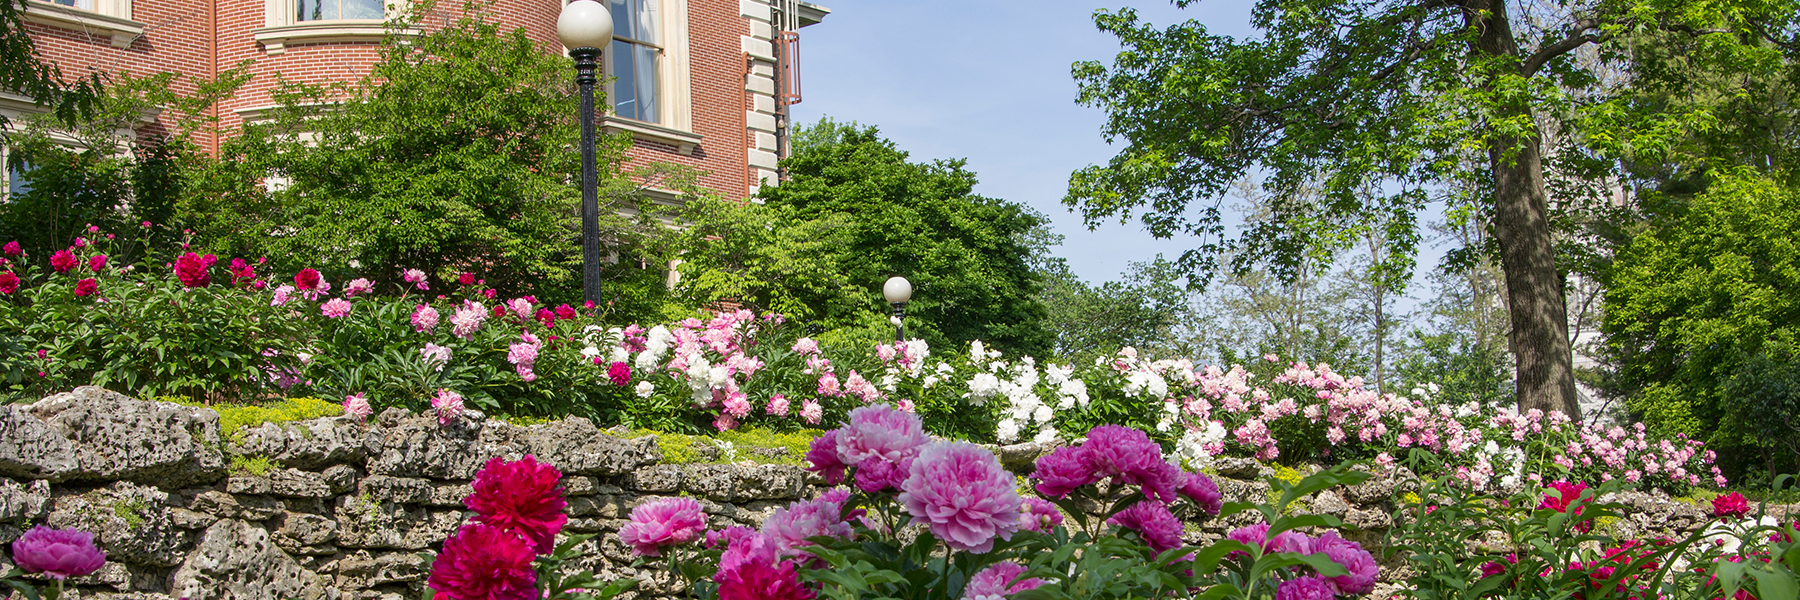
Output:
(898, 292)
(586, 27)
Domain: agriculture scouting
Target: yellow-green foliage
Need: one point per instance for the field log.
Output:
(1700, 497)
(255, 465)
(234, 418)
(527, 421)
(132, 511)
(1411, 498)
(681, 449)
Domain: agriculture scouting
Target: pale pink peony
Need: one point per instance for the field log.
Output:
(357, 405)
(335, 308)
(1038, 514)
(811, 411)
(998, 581)
(417, 278)
(962, 495)
(424, 318)
(468, 319)
(806, 345)
(778, 405)
(880, 431)
(359, 285)
(661, 523)
(448, 404)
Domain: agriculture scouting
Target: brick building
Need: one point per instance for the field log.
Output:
(703, 83)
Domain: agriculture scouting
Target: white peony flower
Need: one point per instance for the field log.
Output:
(645, 388)
(1007, 430)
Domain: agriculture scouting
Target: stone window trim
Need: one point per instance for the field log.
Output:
(683, 141)
(111, 20)
(280, 30)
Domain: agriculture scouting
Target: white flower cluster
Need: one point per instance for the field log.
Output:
(1193, 447)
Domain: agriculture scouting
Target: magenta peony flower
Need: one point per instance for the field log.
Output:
(1062, 471)
(566, 312)
(97, 263)
(358, 286)
(12, 248)
(962, 494)
(1038, 514)
(1154, 523)
(483, 562)
(86, 287)
(57, 553)
(877, 475)
(789, 527)
(63, 261)
(1304, 588)
(307, 279)
(357, 405)
(521, 496)
(9, 282)
(424, 318)
(880, 430)
(661, 523)
(545, 318)
(335, 308)
(749, 570)
(1291, 541)
(448, 404)
(1254, 536)
(619, 373)
(822, 458)
(1351, 556)
(466, 279)
(1729, 505)
(191, 269)
(1128, 456)
(1570, 492)
(1200, 489)
(998, 581)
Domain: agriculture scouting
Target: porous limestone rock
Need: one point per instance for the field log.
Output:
(30, 448)
(131, 522)
(238, 560)
(118, 438)
(23, 502)
(576, 447)
(384, 525)
(312, 444)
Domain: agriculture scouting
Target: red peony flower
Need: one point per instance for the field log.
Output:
(97, 262)
(1569, 493)
(546, 317)
(12, 248)
(63, 261)
(466, 279)
(86, 287)
(1730, 505)
(9, 282)
(566, 312)
(521, 496)
(483, 562)
(191, 269)
(306, 279)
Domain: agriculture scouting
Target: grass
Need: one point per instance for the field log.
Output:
(254, 465)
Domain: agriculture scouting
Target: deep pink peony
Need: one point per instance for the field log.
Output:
(877, 475)
(466, 279)
(521, 496)
(1154, 523)
(546, 318)
(12, 248)
(97, 263)
(962, 494)
(998, 581)
(307, 279)
(1569, 493)
(483, 562)
(1062, 471)
(789, 526)
(1730, 505)
(1202, 491)
(1351, 556)
(619, 373)
(1304, 588)
(57, 553)
(566, 312)
(1038, 514)
(86, 287)
(822, 458)
(661, 523)
(751, 570)
(9, 282)
(191, 269)
(1128, 456)
(880, 431)
(63, 261)
(1254, 536)
(1291, 541)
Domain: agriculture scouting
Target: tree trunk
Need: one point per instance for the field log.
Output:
(1545, 371)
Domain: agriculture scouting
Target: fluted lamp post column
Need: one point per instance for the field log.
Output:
(586, 27)
(898, 292)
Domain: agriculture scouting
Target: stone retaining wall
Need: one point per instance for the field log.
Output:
(352, 510)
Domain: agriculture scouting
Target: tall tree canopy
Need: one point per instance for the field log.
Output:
(1399, 97)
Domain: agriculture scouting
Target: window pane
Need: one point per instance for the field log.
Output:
(621, 16)
(624, 95)
(646, 28)
(316, 10)
(362, 9)
(17, 181)
(645, 58)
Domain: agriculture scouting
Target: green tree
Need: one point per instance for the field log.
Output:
(453, 155)
(1709, 284)
(1142, 311)
(1394, 96)
(22, 71)
(856, 212)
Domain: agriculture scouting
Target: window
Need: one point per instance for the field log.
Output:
(334, 10)
(635, 59)
(81, 4)
(13, 176)
(96, 20)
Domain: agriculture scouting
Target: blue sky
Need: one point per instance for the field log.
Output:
(989, 81)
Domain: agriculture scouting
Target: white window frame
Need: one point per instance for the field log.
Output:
(281, 28)
(108, 20)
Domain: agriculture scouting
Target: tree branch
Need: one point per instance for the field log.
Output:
(1577, 38)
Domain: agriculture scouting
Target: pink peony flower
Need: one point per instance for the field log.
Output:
(357, 405)
(789, 527)
(424, 318)
(57, 553)
(86, 287)
(417, 278)
(435, 355)
(1200, 489)
(1128, 456)
(335, 308)
(63, 261)
(448, 404)
(466, 279)
(619, 373)
(1063, 471)
(1038, 514)
(1569, 493)
(12, 248)
(875, 475)
(1351, 556)
(1153, 522)
(307, 279)
(661, 523)
(546, 318)
(566, 312)
(778, 405)
(961, 494)
(282, 295)
(358, 286)
(1254, 536)
(1730, 505)
(483, 562)
(1304, 588)
(97, 263)
(750, 570)
(803, 345)
(810, 410)
(467, 319)
(9, 282)
(822, 458)
(881, 431)
(191, 270)
(241, 270)
(998, 581)
(521, 496)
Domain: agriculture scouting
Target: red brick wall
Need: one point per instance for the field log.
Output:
(202, 37)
